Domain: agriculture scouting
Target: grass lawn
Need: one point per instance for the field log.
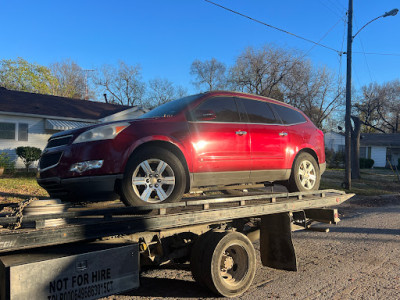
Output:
(14, 188)
(373, 182)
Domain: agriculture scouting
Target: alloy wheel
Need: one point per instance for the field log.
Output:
(153, 180)
(307, 174)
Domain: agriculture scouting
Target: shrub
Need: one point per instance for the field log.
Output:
(329, 156)
(366, 163)
(6, 162)
(28, 155)
(338, 159)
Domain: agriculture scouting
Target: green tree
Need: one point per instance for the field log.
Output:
(21, 75)
(28, 155)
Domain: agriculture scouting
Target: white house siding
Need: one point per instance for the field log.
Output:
(378, 154)
(334, 141)
(37, 137)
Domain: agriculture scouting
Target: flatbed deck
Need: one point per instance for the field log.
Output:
(90, 224)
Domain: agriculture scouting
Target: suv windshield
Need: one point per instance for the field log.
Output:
(169, 109)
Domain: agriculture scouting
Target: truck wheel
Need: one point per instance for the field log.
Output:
(152, 176)
(196, 257)
(305, 174)
(229, 263)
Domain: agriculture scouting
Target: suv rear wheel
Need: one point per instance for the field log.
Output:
(305, 174)
(152, 176)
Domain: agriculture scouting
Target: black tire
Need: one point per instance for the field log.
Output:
(196, 257)
(308, 179)
(228, 263)
(152, 187)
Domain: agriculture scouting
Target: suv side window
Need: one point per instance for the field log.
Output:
(259, 111)
(288, 115)
(224, 108)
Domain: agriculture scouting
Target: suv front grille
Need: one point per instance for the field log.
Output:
(49, 160)
(59, 141)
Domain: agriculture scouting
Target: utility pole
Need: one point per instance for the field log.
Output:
(348, 130)
(347, 180)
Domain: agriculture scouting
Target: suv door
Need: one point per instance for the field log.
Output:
(268, 141)
(221, 148)
(295, 128)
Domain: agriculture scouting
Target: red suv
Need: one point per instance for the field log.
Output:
(209, 139)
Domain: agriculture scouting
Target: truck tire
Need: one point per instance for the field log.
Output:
(196, 257)
(152, 176)
(228, 264)
(305, 174)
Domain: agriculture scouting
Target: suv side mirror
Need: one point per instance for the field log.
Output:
(205, 115)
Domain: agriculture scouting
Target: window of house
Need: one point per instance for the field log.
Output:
(363, 152)
(258, 111)
(288, 115)
(7, 131)
(22, 132)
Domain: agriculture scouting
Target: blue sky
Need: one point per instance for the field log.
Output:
(164, 37)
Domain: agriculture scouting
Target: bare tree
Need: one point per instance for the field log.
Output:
(209, 74)
(71, 81)
(122, 84)
(313, 90)
(379, 107)
(161, 91)
(261, 71)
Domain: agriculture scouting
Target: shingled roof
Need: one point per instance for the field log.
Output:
(380, 139)
(47, 105)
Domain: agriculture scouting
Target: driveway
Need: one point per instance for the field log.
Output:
(357, 259)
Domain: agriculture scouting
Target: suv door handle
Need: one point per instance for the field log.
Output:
(283, 133)
(240, 132)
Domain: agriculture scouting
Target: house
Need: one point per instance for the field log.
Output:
(28, 119)
(378, 146)
(334, 141)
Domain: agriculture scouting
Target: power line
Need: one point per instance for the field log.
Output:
(374, 53)
(273, 27)
(335, 11)
(363, 50)
(338, 6)
(324, 36)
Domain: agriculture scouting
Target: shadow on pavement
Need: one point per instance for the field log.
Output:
(165, 287)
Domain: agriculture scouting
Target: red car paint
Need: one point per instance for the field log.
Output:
(206, 146)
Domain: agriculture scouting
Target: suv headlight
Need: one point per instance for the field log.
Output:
(105, 132)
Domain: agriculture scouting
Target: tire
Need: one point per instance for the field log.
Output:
(196, 257)
(305, 174)
(152, 176)
(228, 263)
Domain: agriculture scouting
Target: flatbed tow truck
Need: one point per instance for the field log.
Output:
(52, 251)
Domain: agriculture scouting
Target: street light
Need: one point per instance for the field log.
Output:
(390, 13)
(350, 37)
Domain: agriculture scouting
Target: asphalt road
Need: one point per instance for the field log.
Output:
(358, 259)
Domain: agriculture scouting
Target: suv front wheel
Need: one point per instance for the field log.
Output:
(152, 176)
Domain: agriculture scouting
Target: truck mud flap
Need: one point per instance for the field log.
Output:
(276, 247)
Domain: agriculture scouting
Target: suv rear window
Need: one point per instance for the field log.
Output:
(288, 115)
